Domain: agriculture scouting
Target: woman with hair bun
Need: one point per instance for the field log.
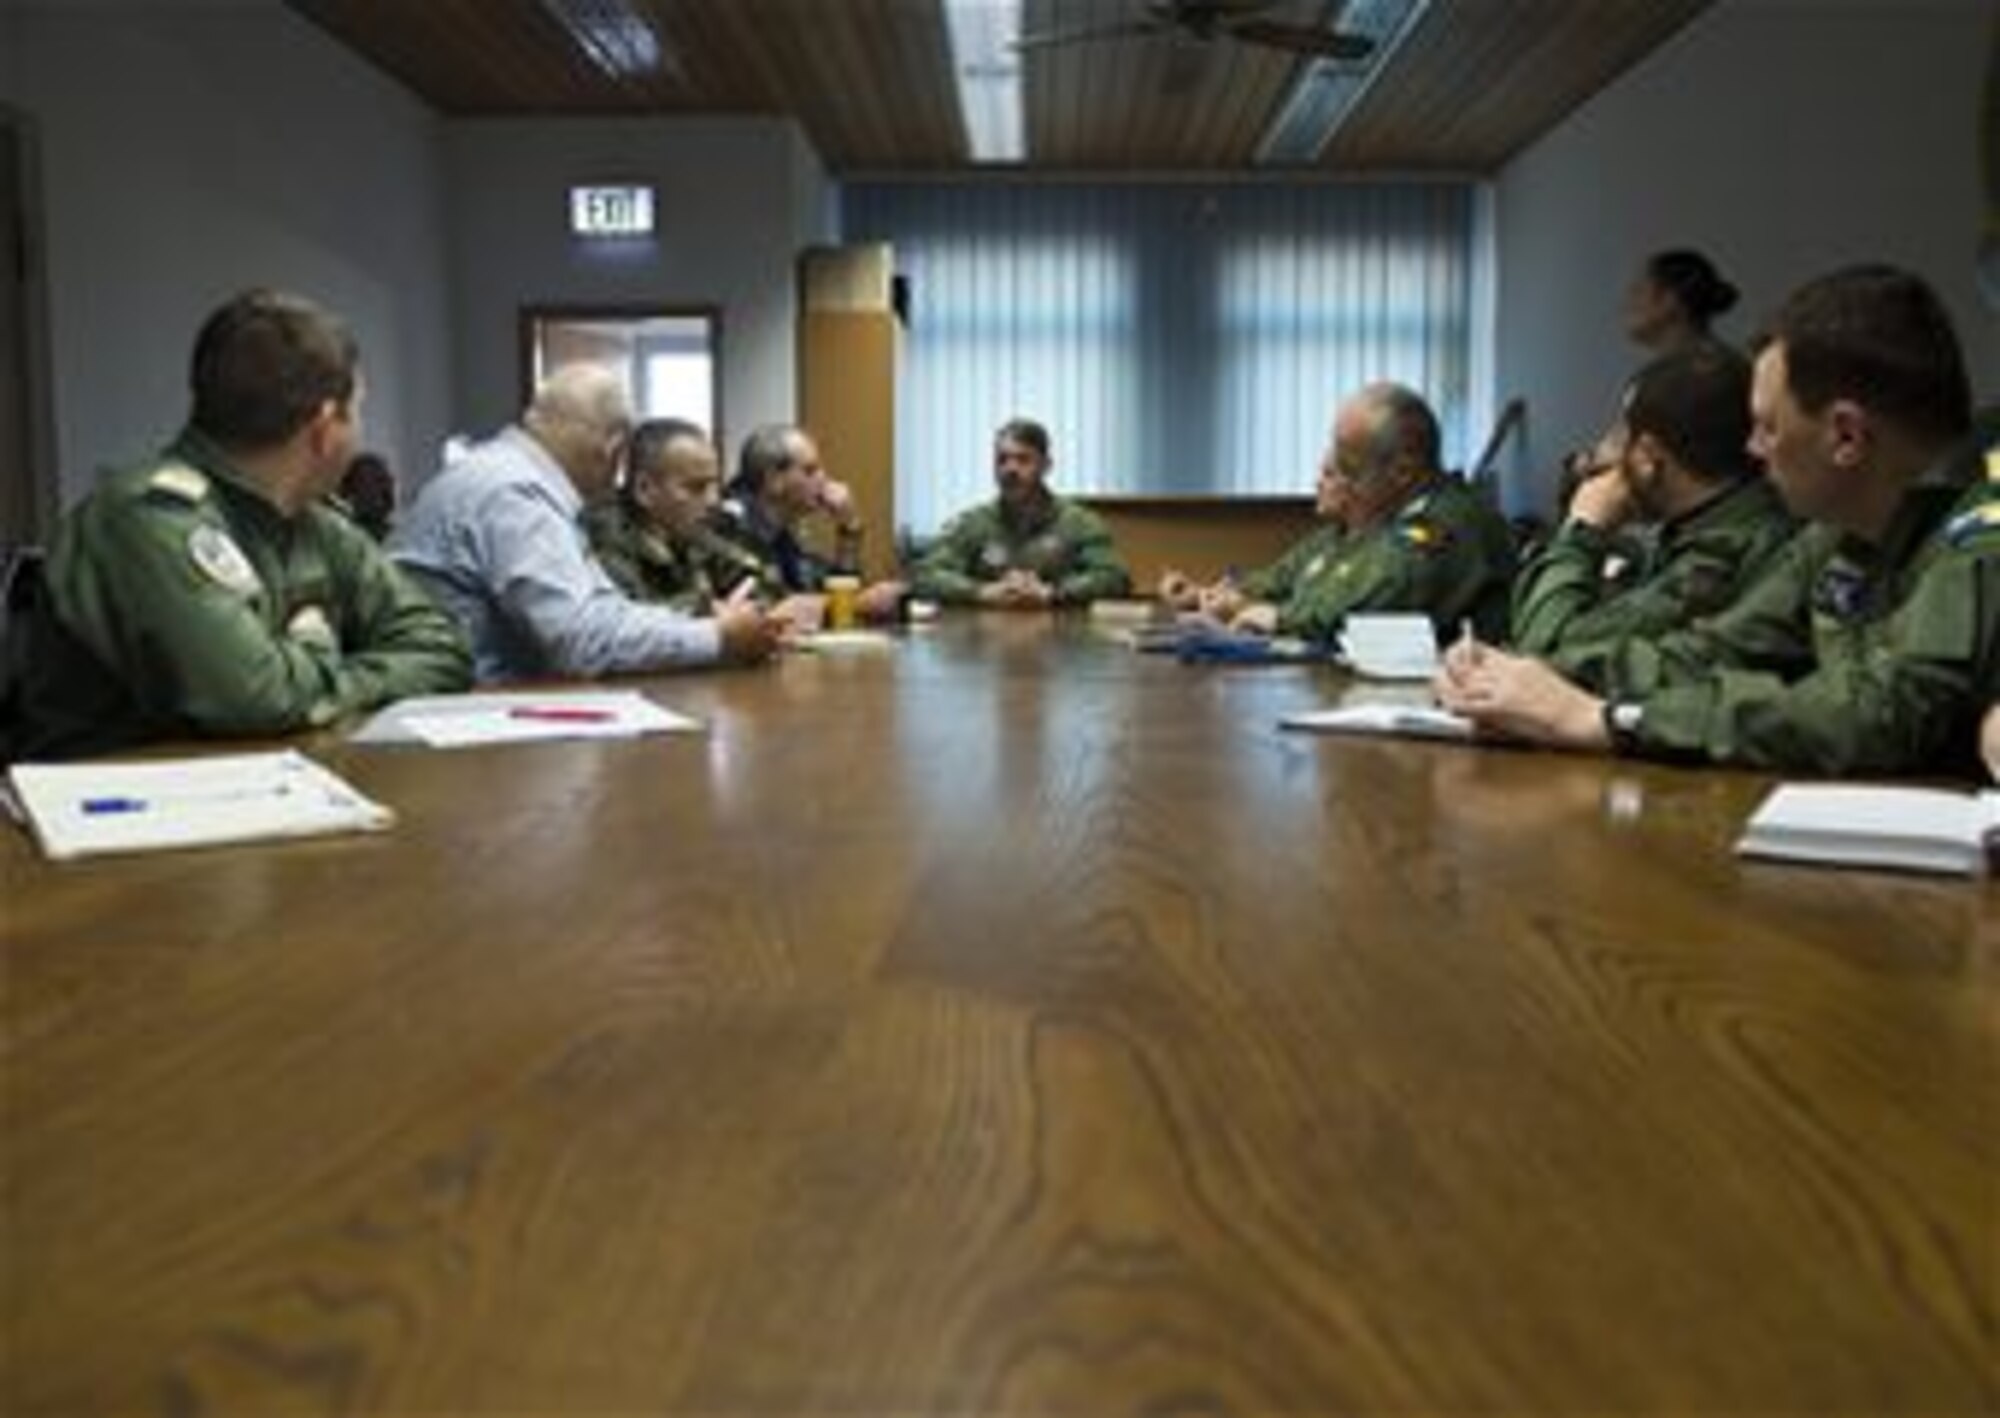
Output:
(1674, 299)
(1669, 306)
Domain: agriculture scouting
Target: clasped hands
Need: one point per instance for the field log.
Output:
(1018, 589)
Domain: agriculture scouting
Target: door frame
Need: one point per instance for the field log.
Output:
(30, 484)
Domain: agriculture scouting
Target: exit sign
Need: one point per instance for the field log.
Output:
(611, 211)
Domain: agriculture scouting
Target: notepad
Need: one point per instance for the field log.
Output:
(1906, 828)
(88, 809)
(1389, 645)
(1403, 720)
(520, 716)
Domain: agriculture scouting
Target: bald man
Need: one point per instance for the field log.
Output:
(1417, 538)
(495, 538)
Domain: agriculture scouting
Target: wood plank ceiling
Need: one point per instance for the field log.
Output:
(870, 81)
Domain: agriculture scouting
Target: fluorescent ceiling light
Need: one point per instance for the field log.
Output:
(617, 40)
(1327, 90)
(988, 73)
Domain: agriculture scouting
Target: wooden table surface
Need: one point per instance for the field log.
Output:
(1005, 1023)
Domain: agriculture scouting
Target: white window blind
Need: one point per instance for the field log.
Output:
(1176, 339)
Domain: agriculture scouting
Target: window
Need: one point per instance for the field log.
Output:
(1179, 340)
(670, 358)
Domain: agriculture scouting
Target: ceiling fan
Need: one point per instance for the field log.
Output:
(1244, 21)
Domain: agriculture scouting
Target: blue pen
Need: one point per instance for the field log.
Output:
(95, 806)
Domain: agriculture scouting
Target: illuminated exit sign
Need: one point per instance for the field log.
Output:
(611, 211)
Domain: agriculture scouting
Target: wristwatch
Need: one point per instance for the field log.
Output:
(1622, 718)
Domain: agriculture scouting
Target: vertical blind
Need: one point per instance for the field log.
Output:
(1177, 339)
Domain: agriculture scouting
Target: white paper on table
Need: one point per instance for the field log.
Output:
(521, 716)
(85, 809)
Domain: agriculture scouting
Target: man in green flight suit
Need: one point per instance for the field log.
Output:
(1028, 548)
(652, 537)
(1869, 645)
(1223, 599)
(1679, 460)
(1417, 538)
(213, 591)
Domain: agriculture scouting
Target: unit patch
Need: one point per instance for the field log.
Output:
(218, 558)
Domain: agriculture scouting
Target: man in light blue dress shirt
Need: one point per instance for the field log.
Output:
(496, 541)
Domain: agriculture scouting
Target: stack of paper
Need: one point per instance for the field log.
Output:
(465, 720)
(1915, 829)
(83, 809)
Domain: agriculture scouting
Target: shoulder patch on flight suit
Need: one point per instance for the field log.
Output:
(218, 558)
(180, 481)
(1842, 591)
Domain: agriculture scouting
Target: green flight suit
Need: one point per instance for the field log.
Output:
(1446, 552)
(1275, 583)
(649, 564)
(1066, 545)
(179, 602)
(1844, 657)
(1585, 585)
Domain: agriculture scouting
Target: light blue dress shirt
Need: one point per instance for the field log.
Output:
(494, 539)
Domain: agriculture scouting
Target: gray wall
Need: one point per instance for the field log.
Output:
(1784, 137)
(191, 148)
(737, 199)
(11, 26)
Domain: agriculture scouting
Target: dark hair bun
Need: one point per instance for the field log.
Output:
(1694, 281)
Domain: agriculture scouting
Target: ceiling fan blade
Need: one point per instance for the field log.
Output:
(1208, 11)
(1187, 64)
(1304, 39)
(1122, 29)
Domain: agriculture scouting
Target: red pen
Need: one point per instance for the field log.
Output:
(564, 716)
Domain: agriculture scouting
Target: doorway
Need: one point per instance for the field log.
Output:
(29, 495)
(671, 358)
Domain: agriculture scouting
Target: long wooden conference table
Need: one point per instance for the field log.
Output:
(1003, 1023)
